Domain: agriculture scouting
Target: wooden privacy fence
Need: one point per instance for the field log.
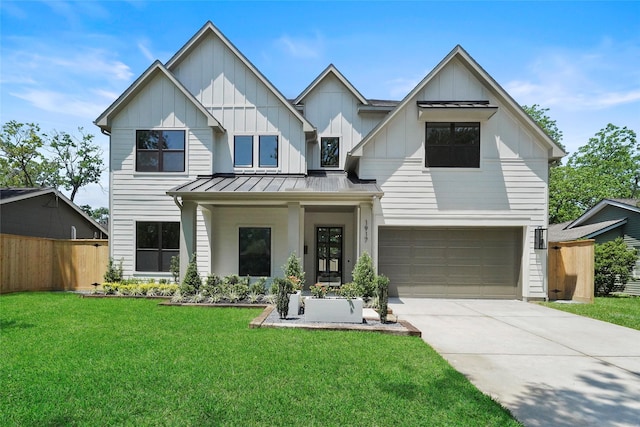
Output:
(37, 264)
(571, 270)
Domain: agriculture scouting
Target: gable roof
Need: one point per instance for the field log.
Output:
(12, 195)
(632, 205)
(331, 69)
(555, 152)
(210, 28)
(561, 232)
(104, 120)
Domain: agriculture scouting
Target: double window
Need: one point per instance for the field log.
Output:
(452, 145)
(160, 150)
(255, 251)
(330, 152)
(245, 150)
(156, 244)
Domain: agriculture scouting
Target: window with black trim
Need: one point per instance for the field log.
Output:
(330, 152)
(156, 244)
(255, 251)
(452, 145)
(160, 150)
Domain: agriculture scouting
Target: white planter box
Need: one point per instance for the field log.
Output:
(333, 310)
(295, 301)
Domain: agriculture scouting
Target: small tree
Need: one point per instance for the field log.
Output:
(382, 290)
(282, 298)
(614, 263)
(113, 273)
(192, 281)
(174, 268)
(293, 271)
(364, 275)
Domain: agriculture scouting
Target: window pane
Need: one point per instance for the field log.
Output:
(147, 161)
(173, 139)
(173, 161)
(452, 145)
(166, 259)
(268, 151)
(147, 260)
(147, 139)
(255, 251)
(438, 133)
(170, 235)
(243, 151)
(147, 234)
(330, 152)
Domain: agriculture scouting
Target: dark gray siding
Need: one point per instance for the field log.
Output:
(45, 216)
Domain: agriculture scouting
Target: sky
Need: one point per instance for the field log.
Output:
(62, 63)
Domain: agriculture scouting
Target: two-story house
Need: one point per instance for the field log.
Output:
(444, 189)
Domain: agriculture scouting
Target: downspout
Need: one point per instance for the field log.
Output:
(178, 204)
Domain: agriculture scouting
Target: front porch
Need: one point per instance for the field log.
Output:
(326, 221)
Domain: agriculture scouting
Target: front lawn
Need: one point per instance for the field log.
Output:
(624, 311)
(72, 361)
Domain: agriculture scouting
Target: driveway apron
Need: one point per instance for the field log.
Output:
(548, 367)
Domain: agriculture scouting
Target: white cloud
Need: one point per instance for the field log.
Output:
(57, 102)
(145, 51)
(303, 48)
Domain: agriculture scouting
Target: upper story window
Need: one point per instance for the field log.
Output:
(245, 150)
(452, 145)
(160, 150)
(330, 152)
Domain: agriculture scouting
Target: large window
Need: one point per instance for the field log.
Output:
(156, 243)
(255, 251)
(245, 150)
(452, 145)
(160, 151)
(329, 152)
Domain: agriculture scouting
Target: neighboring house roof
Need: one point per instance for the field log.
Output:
(314, 184)
(331, 69)
(560, 232)
(104, 120)
(201, 35)
(632, 205)
(555, 152)
(12, 195)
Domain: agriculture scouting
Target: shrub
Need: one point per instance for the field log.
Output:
(364, 276)
(382, 291)
(174, 268)
(614, 263)
(292, 269)
(319, 291)
(282, 299)
(259, 286)
(192, 281)
(350, 291)
(113, 273)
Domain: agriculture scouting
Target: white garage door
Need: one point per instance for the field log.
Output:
(451, 262)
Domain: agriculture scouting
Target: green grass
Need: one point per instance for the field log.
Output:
(72, 361)
(624, 311)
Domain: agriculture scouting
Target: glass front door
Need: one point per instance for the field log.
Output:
(329, 255)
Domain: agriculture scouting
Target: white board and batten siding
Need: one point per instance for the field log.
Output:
(509, 189)
(141, 196)
(333, 109)
(231, 91)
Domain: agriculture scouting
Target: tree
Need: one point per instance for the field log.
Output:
(79, 158)
(22, 162)
(101, 215)
(607, 167)
(548, 125)
(614, 263)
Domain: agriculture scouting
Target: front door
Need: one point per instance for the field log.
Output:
(329, 255)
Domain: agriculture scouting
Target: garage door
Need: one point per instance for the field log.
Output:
(451, 262)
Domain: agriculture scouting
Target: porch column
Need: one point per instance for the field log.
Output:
(295, 229)
(187, 234)
(365, 229)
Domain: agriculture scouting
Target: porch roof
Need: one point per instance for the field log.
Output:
(315, 184)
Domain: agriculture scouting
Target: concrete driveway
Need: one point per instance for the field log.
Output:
(549, 368)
